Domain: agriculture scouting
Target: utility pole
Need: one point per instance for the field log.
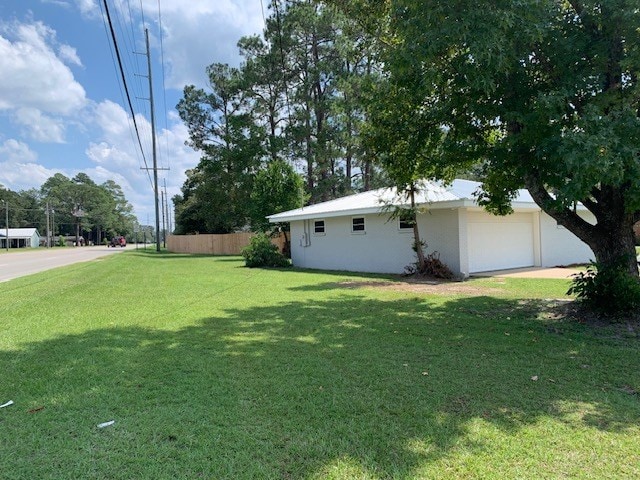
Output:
(6, 223)
(153, 142)
(53, 224)
(164, 231)
(166, 208)
(48, 229)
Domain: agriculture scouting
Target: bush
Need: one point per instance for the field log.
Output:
(433, 266)
(608, 290)
(262, 253)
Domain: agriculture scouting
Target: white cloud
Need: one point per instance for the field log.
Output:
(116, 156)
(202, 33)
(88, 8)
(70, 55)
(18, 169)
(31, 74)
(60, 3)
(40, 127)
(13, 150)
(112, 119)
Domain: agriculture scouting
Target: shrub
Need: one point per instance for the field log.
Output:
(609, 290)
(433, 266)
(262, 253)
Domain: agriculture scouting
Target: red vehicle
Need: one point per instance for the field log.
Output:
(118, 242)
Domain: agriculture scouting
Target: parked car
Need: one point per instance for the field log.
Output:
(118, 242)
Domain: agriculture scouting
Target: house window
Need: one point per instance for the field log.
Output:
(405, 221)
(357, 225)
(318, 227)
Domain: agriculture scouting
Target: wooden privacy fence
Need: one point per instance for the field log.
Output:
(225, 244)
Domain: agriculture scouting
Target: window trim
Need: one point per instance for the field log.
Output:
(315, 227)
(364, 225)
(402, 229)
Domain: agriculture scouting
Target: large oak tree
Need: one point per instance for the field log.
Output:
(542, 93)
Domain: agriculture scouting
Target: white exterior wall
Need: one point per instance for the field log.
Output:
(561, 247)
(440, 230)
(383, 248)
(35, 241)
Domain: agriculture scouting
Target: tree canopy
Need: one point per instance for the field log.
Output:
(541, 94)
(76, 206)
(296, 98)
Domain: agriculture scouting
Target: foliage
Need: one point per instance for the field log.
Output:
(104, 208)
(435, 267)
(431, 266)
(540, 94)
(262, 253)
(297, 98)
(607, 289)
(276, 189)
(216, 196)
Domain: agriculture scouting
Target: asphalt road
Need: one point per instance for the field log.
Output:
(28, 261)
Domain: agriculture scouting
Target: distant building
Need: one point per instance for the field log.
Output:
(20, 238)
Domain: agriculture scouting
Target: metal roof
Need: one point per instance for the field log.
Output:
(431, 194)
(18, 232)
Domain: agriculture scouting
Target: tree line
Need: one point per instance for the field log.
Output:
(76, 207)
(353, 94)
(291, 115)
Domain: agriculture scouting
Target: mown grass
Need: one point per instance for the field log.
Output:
(212, 370)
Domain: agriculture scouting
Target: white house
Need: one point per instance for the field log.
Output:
(354, 233)
(20, 238)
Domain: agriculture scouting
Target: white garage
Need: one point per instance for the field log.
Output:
(355, 233)
(497, 243)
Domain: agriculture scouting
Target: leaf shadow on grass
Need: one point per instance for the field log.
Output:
(290, 391)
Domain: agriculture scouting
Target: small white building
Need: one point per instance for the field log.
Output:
(354, 233)
(20, 238)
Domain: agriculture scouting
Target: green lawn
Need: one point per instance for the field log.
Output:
(211, 370)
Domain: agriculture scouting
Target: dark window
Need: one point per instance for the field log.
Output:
(357, 224)
(318, 226)
(406, 220)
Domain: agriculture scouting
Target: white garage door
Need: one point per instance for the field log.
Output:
(497, 243)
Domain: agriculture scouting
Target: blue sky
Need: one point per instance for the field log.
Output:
(62, 106)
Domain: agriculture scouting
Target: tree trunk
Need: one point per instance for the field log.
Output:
(611, 239)
(286, 248)
(615, 245)
(416, 234)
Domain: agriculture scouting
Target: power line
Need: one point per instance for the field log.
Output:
(124, 81)
(115, 67)
(264, 20)
(164, 88)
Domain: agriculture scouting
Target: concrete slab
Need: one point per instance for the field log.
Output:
(531, 272)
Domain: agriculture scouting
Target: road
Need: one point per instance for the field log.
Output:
(28, 261)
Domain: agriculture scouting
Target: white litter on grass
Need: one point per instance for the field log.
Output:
(10, 402)
(106, 424)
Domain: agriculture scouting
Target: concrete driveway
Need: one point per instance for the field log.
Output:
(531, 272)
(28, 261)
